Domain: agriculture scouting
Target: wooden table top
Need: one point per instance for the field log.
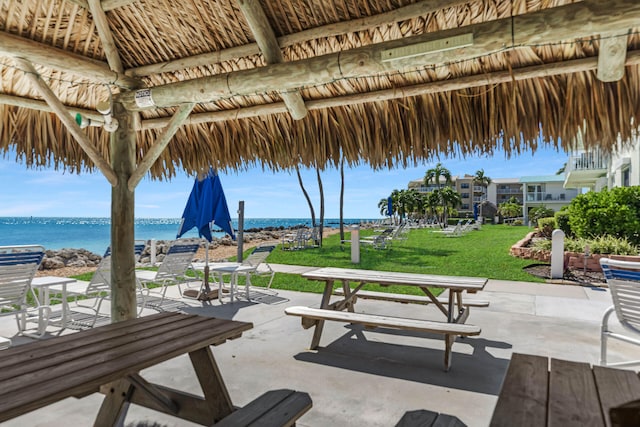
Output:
(542, 392)
(396, 278)
(40, 373)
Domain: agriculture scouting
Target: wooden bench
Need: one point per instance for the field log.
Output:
(276, 408)
(311, 315)
(425, 418)
(409, 299)
(537, 391)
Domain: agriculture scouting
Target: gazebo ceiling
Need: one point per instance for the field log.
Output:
(279, 83)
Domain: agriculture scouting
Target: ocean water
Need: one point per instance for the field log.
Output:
(93, 234)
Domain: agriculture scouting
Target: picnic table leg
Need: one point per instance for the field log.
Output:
(448, 340)
(115, 404)
(347, 293)
(326, 296)
(213, 387)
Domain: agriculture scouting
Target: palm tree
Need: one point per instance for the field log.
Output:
(435, 173)
(306, 196)
(481, 179)
(321, 190)
(383, 204)
(450, 199)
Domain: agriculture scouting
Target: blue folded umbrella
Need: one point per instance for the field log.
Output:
(206, 205)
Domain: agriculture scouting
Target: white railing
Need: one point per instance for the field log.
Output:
(587, 161)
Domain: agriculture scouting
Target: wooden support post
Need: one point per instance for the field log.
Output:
(123, 161)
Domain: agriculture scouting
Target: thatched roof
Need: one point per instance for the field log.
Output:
(528, 76)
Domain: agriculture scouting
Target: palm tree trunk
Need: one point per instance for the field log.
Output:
(321, 206)
(306, 195)
(342, 199)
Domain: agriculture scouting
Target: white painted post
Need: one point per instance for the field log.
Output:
(153, 252)
(557, 254)
(355, 244)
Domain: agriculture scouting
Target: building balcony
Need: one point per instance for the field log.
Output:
(547, 197)
(584, 169)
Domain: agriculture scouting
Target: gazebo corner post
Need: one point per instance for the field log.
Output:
(123, 162)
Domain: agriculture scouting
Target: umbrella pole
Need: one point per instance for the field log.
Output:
(206, 270)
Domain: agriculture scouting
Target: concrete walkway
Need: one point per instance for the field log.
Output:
(372, 377)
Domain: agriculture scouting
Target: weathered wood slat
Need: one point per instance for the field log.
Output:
(410, 299)
(274, 408)
(396, 278)
(615, 387)
(384, 321)
(523, 398)
(573, 398)
(85, 374)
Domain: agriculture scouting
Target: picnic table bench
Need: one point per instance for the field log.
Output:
(108, 359)
(454, 307)
(540, 392)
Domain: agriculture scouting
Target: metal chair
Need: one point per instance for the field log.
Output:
(623, 278)
(18, 266)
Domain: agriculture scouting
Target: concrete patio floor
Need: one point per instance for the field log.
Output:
(372, 377)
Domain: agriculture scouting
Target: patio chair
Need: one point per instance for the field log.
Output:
(623, 278)
(294, 241)
(18, 266)
(172, 270)
(257, 259)
(89, 295)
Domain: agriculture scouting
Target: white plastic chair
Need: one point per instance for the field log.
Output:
(89, 296)
(172, 270)
(623, 278)
(18, 266)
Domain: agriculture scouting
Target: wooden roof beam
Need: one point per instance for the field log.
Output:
(576, 20)
(497, 77)
(65, 118)
(612, 56)
(106, 37)
(35, 104)
(411, 11)
(266, 39)
(96, 71)
(152, 155)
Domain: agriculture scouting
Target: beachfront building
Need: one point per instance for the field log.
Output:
(499, 191)
(596, 170)
(548, 191)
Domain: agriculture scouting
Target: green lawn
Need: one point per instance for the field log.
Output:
(479, 253)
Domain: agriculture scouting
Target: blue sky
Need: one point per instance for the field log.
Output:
(46, 192)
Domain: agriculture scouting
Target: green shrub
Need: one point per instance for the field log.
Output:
(546, 226)
(613, 245)
(614, 212)
(599, 245)
(540, 212)
(562, 222)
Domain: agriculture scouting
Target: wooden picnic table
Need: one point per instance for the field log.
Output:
(538, 391)
(109, 358)
(454, 308)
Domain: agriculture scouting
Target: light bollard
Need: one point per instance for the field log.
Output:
(152, 245)
(557, 254)
(355, 244)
